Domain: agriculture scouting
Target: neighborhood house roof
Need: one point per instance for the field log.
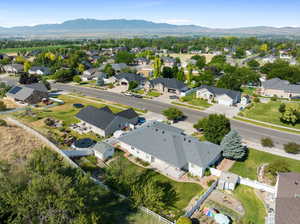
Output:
(280, 84)
(102, 117)
(287, 203)
(169, 83)
(22, 92)
(171, 145)
(220, 91)
(130, 77)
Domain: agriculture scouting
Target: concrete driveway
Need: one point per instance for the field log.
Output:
(222, 109)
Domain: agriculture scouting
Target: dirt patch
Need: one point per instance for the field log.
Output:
(10, 104)
(225, 165)
(16, 143)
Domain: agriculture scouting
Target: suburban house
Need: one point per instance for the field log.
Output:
(92, 74)
(280, 88)
(166, 85)
(168, 149)
(126, 78)
(221, 96)
(145, 70)
(287, 202)
(31, 94)
(169, 62)
(141, 61)
(104, 122)
(13, 68)
(39, 70)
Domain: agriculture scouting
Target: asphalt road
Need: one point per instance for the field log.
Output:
(247, 131)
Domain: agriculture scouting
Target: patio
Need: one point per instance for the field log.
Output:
(166, 169)
(81, 128)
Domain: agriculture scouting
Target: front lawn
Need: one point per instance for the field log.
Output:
(266, 112)
(255, 159)
(191, 99)
(185, 191)
(255, 211)
(153, 93)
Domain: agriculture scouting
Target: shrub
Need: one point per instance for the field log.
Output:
(110, 85)
(210, 182)
(256, 100)
(2, 106)
(281, 108)
(77, 79)
(277, 166)
(49, 122)
(207, 172)
(292, 148)
(274, 98)
(267, 142)
(3, 122)
(184, 220)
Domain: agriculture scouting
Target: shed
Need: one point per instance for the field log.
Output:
(228, 181)
(103, 150)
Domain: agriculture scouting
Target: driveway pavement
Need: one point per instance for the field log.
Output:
(222, 109)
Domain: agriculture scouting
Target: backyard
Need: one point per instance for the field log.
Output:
(185, 191)
(257, 158)
(267, 112)
(255, 211)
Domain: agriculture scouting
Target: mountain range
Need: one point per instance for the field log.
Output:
(92, 28)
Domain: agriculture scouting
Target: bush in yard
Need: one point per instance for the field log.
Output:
(281, 108)
(207, 172)
(184, 220)
(49, 122)
(214, 127)
(132, 85)
(2, 106)
(210, 182)
(256, 100)
(3, 122)
(267, 142)
(276, 167)
(173, 114)
(274, 98)
(232, 146)
(77, 79)
(292, 148)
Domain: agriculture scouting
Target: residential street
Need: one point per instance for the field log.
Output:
(247, 131)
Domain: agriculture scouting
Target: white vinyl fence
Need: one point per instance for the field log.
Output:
(200, 201)
(257, 185)
(160, 218)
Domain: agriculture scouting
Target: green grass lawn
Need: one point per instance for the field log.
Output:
(191, 99)
(143, 218)
(255, 211)
(267, 112)
(185, 191)
(255, 159)
(153, 93)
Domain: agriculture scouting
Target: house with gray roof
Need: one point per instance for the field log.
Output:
(93, 74)
(166, 85)
(222, 96)
(103, 150)
(166, 147)
(39, 70)
(126, 78)
(13, 68)
(104, 122)
(30, 94)
(287, 202)
(280, 88)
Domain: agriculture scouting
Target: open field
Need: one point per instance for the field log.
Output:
(15, 141)
(255, 211)
(255, 159)
(14, 50)
(267, 112)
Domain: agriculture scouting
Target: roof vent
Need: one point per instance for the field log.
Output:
(190, 141)
(184, 139)
(156, 129)
(163, 132)
(296, 183)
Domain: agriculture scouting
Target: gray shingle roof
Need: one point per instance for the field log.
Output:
(101, 147)
(287, 203)
(102, 117)
(280, 84)
(220, 91)
(171, 145)
(130, 77)
(169, 83)
(22, 92)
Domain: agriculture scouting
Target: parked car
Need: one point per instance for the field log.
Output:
(141, 120)
(173, 97)
(127, 94)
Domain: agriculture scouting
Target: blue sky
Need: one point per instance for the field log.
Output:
(210, 13)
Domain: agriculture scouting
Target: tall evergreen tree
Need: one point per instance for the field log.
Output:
(232, 146)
